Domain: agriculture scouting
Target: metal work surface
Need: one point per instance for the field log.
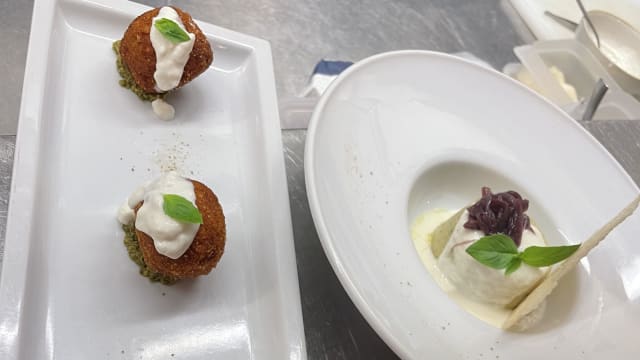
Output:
(301, 33)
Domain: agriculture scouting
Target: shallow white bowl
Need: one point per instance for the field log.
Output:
(619, 49)
(404, 132)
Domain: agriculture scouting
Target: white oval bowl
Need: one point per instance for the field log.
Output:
(403, 132)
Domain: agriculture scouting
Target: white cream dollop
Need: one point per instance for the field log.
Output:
(171, 238)
(126, 215)
(481, 282)
(170, 57)
(163, 109)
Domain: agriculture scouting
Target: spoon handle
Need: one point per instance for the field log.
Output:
(586, 17)
(570, 25)
(598, 93)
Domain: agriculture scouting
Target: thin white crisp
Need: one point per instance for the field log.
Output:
(540, 293)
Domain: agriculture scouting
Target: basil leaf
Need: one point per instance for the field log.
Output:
(171, 30)
(181, 209)
(513, 265)
(496, 251)
(545, 256)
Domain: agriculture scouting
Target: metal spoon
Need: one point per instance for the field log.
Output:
(594, 100)
(562, 21)
(586, 17)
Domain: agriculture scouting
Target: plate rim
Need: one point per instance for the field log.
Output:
(309, 169)
(24, 179)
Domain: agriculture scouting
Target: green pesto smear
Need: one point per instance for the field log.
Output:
(135, 254)
(127, 80)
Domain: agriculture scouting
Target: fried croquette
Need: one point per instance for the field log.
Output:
(206, 249)
(139, 56)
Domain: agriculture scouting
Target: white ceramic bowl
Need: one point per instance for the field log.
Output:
(404, 132)
(619, 48)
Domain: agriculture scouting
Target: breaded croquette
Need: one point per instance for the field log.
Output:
(206, 249)
(139, 56)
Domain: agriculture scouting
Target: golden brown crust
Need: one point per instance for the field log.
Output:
(140, 58)
(205, 250)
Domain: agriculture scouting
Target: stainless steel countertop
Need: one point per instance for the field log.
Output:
(301, 33)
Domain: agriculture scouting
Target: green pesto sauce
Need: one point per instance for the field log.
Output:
(133, 248)
(127, 79)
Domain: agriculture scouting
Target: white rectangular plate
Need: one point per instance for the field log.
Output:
(68, 289)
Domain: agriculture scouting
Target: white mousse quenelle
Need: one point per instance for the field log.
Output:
(502, 213)
(491, 260)
(488, 257)
(484, 283)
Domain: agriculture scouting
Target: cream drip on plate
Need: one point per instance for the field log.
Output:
(171, 238)
(163, 109)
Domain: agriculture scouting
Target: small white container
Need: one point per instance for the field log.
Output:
(581, 70)
(295, 113)
(618, 105)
